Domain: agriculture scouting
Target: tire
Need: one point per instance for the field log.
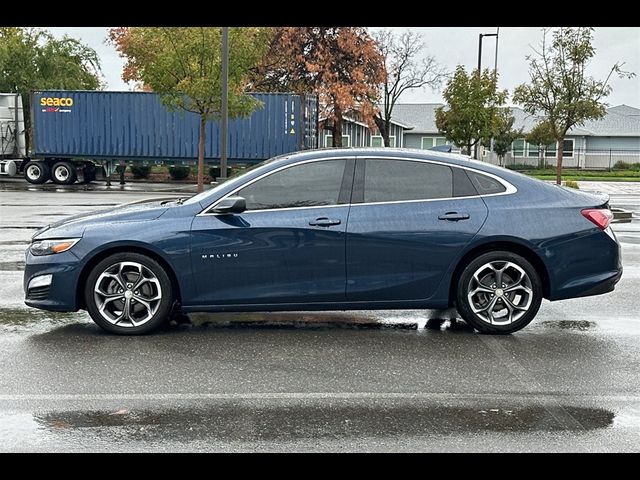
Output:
(515, 304)
(37, 172)
(64, 173)
(148, 307)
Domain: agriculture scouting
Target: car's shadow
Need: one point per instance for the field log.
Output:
(182, 325)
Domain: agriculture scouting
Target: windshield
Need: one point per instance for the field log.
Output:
(203, 196)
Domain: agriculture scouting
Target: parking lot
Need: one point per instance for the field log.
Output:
(345, 381)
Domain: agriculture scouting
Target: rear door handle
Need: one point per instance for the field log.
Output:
(453, 216)
(324, 222)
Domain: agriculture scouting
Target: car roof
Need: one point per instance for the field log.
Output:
(389, 152)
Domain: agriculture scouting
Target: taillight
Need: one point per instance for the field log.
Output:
(601, 217)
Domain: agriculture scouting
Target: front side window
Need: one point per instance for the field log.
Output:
(307, 185)
(399, 180)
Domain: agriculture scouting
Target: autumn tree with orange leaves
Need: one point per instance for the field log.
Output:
(342, 65)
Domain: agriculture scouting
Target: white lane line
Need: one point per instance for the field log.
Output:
(542, 397)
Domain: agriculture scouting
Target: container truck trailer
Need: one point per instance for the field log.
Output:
(73, 131)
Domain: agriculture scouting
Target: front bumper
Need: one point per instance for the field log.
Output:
(60, 295)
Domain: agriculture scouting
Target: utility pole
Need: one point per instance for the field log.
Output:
(224, 114)
(495, 61)
(495, 69)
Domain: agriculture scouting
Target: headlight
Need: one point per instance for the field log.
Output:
(49, 247)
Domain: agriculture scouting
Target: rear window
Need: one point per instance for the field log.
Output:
(485, 185)
(387, 180)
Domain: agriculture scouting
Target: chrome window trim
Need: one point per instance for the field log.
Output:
(510, 188)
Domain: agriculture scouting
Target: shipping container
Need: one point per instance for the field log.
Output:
(72, 129)
(136, 125)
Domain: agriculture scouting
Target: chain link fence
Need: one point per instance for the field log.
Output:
(611, 159)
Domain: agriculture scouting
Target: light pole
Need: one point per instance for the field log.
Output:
(495, 69)
(224, 110)
(481, 36)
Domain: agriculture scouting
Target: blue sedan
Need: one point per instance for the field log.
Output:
(336, 229)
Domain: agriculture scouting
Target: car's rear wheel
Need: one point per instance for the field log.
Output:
(128, 294)
(499, 292)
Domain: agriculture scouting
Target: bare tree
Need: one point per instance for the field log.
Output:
(405, 70)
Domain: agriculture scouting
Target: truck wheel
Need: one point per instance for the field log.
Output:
(36, 172)
(64, 173)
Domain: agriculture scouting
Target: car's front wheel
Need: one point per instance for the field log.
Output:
(498, 292)
(128, 294)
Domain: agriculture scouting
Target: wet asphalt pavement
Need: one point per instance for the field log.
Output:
(340, 381)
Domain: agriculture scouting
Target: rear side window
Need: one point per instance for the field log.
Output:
(485, 185)
(388, 180)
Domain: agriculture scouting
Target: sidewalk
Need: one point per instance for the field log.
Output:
(612, 188)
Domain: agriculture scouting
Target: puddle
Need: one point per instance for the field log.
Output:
(579, 325)
(229, 421)
(36, 321)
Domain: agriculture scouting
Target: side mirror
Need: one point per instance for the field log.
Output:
(231, 205)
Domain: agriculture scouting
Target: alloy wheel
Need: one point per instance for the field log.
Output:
(500, 292)
(127, 294)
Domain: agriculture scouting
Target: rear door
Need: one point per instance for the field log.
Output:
(408, 221)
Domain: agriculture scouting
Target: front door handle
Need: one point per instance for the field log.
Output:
(453, 216)
(324, 222)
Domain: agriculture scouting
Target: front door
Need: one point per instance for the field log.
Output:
(408, 222)
(287, 247)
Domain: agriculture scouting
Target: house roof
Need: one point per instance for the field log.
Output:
(422, 116)
(624, 110)
(619, 121)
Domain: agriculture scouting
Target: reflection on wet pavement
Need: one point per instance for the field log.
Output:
(233, 421)
(35, 321)
(581, 325)
(11, 266)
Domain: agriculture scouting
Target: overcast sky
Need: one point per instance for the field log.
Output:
(452, 46)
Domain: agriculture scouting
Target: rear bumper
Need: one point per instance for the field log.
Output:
(591, 285)
(587, 263)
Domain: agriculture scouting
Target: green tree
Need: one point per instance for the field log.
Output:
(473, 105)
(560, 88)
(542, 136)
(33, 59)
(183, 65)
(504, 133)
